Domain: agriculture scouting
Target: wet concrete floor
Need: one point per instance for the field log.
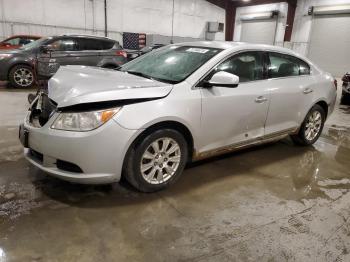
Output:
(277, 202)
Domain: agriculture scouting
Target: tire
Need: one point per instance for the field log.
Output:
(345, 99)
(314, 121)
(158, 171)
(22, 76)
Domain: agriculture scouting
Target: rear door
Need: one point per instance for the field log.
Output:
(236, 115)
(291, 88)
(90, 50)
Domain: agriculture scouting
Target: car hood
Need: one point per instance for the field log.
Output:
(74, 85)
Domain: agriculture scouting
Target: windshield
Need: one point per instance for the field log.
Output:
(35, 44)
(171, 64)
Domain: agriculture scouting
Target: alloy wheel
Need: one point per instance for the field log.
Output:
(313, 126)
(160, 161)
(23, 77)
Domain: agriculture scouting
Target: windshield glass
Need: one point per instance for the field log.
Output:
(35, 44)
(170, 64)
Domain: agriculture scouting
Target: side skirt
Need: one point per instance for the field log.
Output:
(242, 145)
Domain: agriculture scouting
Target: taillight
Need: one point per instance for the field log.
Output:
(121, 53)
(335, 84)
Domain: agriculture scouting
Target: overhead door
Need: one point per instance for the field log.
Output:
(330, 43)
(259, 31)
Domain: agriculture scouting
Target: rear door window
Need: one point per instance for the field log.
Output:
(304, 68)
(25, 41)
(87, 44)
(282, 65)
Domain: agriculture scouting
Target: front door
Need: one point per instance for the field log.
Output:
(63, 51)
(235, 115)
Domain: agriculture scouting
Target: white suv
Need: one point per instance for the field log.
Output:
(180, 103)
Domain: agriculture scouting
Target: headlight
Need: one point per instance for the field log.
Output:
(83, 121)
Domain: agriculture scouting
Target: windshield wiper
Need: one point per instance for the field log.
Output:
(151, 77)
(140, 74)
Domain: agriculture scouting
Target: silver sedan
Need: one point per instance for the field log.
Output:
(180, 103)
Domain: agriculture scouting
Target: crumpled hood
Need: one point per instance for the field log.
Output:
(74, 85)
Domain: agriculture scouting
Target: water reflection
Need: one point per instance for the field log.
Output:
(2, 255)
(307, 172)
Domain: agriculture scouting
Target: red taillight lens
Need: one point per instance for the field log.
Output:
(336, 84)
(121, 53)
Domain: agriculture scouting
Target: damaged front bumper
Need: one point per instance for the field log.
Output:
(93, 157)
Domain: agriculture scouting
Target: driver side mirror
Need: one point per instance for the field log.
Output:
(223, 79)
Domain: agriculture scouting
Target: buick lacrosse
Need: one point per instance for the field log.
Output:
(180, 103)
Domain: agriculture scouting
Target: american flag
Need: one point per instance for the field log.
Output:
(134, 41)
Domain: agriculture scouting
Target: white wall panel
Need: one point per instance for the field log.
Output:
(142, 16)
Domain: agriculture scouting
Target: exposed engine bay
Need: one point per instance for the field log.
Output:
(42, 108)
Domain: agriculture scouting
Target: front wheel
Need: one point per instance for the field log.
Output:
(156, 161)
(21, 76)
(312, 127)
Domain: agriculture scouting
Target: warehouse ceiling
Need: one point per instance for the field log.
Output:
(239, 3)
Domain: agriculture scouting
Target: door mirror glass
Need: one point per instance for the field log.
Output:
(223, 79)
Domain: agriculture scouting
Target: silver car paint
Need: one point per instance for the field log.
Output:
(73, 85)
(216, 117)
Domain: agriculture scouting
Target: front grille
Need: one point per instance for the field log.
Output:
(67, 166)
(36, 155)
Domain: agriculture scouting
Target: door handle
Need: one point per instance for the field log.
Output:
(260, 99)
(307, 90)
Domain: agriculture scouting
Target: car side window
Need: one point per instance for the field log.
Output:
(248, 66)
(25, 41)
(86, 44)
(13, 41)
(282, 65)
(304, 68)
(64, 45)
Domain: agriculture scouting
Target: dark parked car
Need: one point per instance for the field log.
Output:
(132, 54)
(17, 41)
(345, 97)
(47, 54)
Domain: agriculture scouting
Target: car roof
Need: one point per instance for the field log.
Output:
(237, 46)
(30, 36)
(87, 36)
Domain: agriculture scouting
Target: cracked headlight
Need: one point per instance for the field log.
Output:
(83, 121)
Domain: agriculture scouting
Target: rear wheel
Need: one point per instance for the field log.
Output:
(156, 161)
(312, 127)
(21, 76)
